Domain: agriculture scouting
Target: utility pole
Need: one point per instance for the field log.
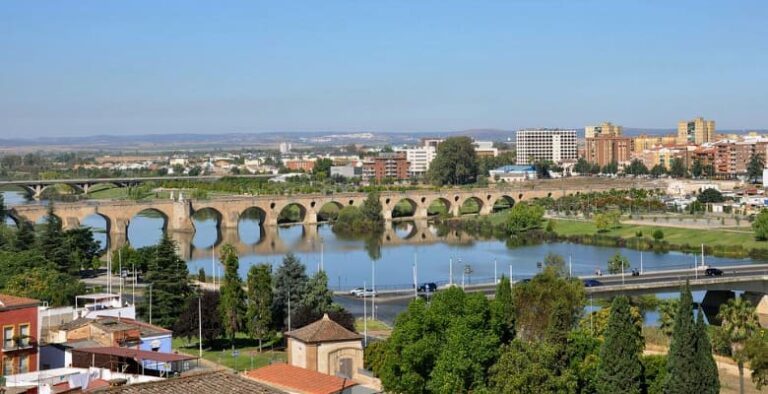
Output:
(495, 273)
(415, 276)
(200, 323)
(150, 303)
(450, 271)
(365, 316)
(373, 290)
(289, 311)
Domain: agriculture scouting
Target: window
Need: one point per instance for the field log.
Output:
(24, 334)
(8, 337)
(24, 363)
(7, 366)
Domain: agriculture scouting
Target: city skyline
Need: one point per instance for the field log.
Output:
(248, 67)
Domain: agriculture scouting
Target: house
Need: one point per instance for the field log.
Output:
(18, 320)
(296, 380)
(208, 382)
(513, 173)
(326, 347)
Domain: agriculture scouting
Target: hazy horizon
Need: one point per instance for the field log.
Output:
(146, 68)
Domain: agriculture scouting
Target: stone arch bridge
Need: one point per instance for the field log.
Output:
(178, 214)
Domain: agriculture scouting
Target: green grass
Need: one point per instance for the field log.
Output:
(673, 235)
(220, 352)
(375, 325)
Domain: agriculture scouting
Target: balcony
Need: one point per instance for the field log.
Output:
(19, 343)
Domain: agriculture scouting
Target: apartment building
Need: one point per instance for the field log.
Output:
(605, 149)
(697, 131)
(485, 149)
(386, 166)
(605, 129)
(732, 157)
(645, 141)
(419, 159)
(556, 145)
(18, 321)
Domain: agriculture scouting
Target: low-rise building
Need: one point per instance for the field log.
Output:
(513, 173)
(347, 171)
(485, 149)
(326, 347)
(386, 166)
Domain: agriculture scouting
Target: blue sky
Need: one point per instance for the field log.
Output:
(135, 67)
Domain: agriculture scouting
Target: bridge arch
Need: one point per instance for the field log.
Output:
(146, 227)
(405, 230)
(292, 213)
(328, 211)
(405, 207)
(438, 206)
(100, 225)
(207, 222)
(250, 225)
(502, 202)
(471, 205)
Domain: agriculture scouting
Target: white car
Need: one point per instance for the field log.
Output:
(356, 291)
(366, 293)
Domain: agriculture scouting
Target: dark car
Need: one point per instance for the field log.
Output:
(713, 272)
(592, 283)
(427, 287)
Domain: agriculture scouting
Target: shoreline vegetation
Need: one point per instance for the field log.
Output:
(717, 242)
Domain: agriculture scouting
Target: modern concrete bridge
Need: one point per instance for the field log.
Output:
(228, 210)
(36, 187)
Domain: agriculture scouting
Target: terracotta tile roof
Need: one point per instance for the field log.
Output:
(209, 382)
(323, 330)
(299, 380)
(136, 354)
(12, 302)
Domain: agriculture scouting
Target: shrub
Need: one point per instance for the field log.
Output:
(658, 234)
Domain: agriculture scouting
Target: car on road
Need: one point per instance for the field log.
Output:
(713, 272)
(428, 287)
(592, 283)
(356, 291)
(366, 293)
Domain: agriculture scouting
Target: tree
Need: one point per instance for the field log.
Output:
(232, 303)
(3, 210)
(757, 351)
(45, 283)
(636, 168)
(709, 380)
(658, 235)
(323, 166)
(316, 296)
(455, 162)
(290, 282)
(503, 311)
(535, 300)
(25, 236)
(83, 248)
(710, 195)
(618, 264)
(658, 170)
(529, 368)
(556, 261)
(611, 168)
(187, 325)
(697, 168)
(52, 243)
(755, 166)
(760, 225)
(259, 313)
(372, 209)
(168, 280)
(677, 168)
(620, 369)
(709, 170)
(607, 220)
(303, 316)
(667, 315)
(739, 325)
(523, 217)
(683, 373)
(582, 166)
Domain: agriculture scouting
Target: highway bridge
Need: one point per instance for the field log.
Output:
(36, 187)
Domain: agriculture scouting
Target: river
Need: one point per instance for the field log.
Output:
(348, 263)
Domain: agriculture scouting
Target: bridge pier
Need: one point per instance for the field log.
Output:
(387, 214)
(70, 223)
(229, 220)
(421, 212)
(487, 208)
(456, 209)
(310, 217)
(181, 218)
(183, 242)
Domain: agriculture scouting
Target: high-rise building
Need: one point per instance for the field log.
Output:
(607, 149)
(697, 131)
(418, 158)
(386, 165)
(554, 145)
(605, 129)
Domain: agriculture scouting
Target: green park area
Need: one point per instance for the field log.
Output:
(241, 355)
(673, 235)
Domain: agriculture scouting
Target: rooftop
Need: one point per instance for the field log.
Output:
(13, 302)
(136, 354)
(323, 330)
(514, 168)
(299, 380)
(209, 382)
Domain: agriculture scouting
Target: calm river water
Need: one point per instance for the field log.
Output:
(348, 263)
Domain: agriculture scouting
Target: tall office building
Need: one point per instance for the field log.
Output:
(697, 131)
(554, 145)
(605, 129)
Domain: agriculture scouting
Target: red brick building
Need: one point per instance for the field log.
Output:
(18, 335)
(606, 149)
(732, 158)
(300, 164)
(386, 166)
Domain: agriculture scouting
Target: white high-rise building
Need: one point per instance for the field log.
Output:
(554, 145)
(285, 147)
(420, 157)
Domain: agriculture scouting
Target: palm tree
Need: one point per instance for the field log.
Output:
(739, 325)
(667, 313)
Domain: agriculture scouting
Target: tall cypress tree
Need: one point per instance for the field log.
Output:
(290, 283)
(168, 277)
(709, 380)
(503, 311)
(682, 367)
(25, 237)
(52, 242)
(620, 369)
(259, 313)
(232, 301)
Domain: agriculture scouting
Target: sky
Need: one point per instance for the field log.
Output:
(77, 68)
